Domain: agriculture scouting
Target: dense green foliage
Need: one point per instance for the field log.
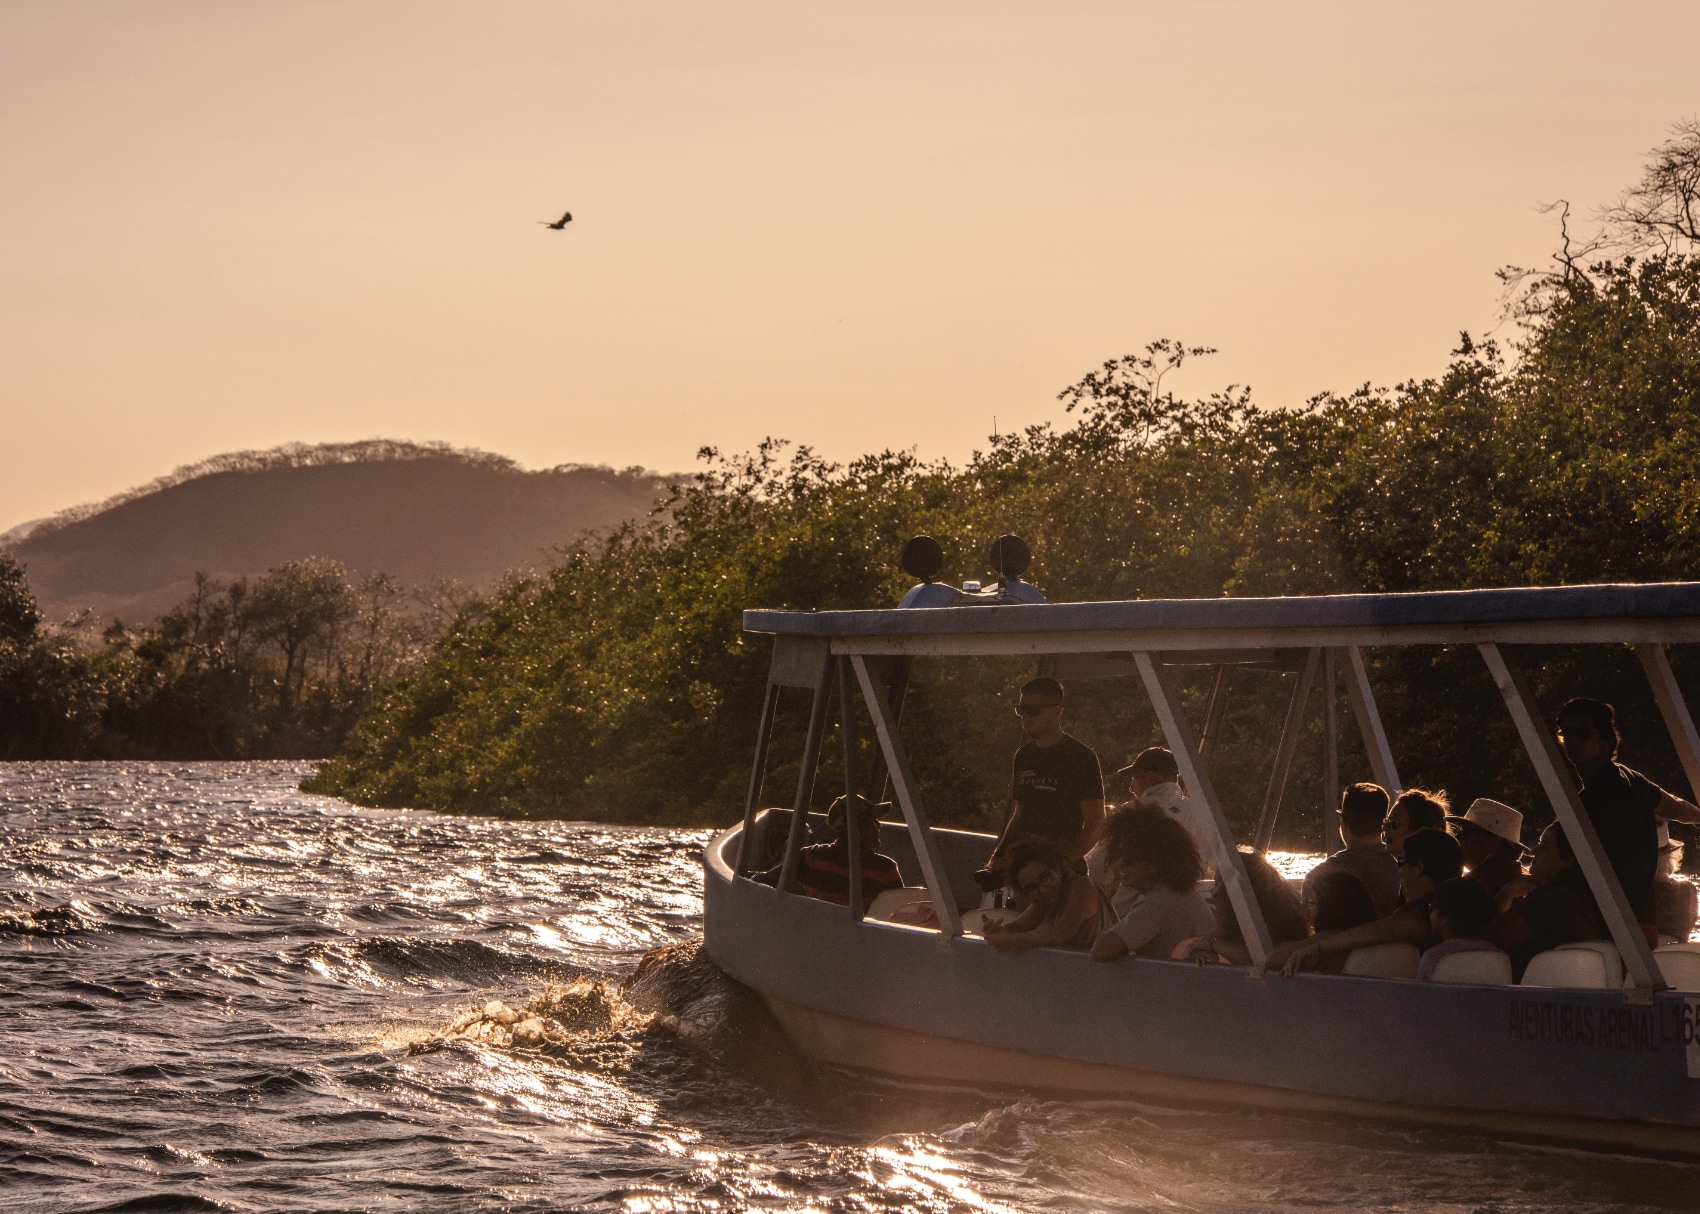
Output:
(620, 685)
(278, 667)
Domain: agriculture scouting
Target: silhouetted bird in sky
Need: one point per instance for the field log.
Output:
(560, 223)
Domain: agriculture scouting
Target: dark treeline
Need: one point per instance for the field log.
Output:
(277, 667)
(619, 685)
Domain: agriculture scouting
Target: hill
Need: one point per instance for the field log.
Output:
(419, 512)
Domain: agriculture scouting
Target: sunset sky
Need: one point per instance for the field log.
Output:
(855, 225)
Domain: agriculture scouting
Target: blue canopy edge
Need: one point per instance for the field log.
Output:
(1531, 604)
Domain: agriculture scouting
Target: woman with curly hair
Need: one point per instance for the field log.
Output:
(1064, 909)
(1151, 854)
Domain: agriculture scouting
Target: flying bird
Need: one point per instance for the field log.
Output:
(560, 223)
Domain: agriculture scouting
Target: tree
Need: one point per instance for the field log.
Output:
(19, 615)
(297, 606)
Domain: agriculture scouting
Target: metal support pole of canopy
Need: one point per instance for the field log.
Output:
(806, 777)
(1215, 709)
(1204, 808)
(852, 812)
(1330, 751)
(879, 777)
(764, 734)
(909, 797)
(1543, 751)
(1369, 721)
(1284, 752)
(1674, 709)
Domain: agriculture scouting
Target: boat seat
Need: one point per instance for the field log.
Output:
(1580, 965)
(1383, 961)
(1479, 967)
(1680, 965)
(888, 902)
(974, 921)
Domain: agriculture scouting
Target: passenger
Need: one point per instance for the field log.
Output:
(1152, 854)
(1624, 805)
(1057, 791)
(1413, 810)
(1431, 858)
(1363, 809)
(1463, 907)
(1560, 910)
(1283, 914)
(1064, 909)
(1153, 778)
(1342, 902)
(823, 869)
(1491, 835)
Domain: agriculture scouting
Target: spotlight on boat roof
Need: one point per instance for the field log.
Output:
(1009, 557)
(922, 557)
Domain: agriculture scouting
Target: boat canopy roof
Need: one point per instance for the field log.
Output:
(1666, 612)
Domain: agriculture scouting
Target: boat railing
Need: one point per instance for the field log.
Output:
(871, 652)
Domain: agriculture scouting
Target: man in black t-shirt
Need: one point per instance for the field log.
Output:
(1056, 788)
(1624, 805)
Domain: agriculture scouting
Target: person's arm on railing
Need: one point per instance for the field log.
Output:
(1402, 926)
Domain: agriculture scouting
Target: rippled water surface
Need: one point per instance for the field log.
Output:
(217, 992)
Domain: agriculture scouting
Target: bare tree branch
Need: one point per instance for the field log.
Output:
(1661, 214)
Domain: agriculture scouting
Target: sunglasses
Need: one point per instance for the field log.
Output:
(1028, 888)
(1033, 710)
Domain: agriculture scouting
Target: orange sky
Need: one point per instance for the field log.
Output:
(856, 225)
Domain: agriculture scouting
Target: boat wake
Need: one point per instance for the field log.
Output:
(675, 997)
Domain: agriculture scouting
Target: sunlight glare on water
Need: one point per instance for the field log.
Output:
(220, 993)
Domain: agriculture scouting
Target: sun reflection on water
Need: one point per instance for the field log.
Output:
(222, 991)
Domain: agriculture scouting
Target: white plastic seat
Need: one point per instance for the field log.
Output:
(974, 921)
(1383, 961)
(887, 902)
(1579, 965)
(1479, 967)
(1680, 965)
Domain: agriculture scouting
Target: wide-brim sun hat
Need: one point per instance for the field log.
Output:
(1495, 817)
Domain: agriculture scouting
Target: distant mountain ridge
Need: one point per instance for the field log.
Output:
(417, 511)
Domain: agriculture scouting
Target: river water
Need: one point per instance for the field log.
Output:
(220, 993)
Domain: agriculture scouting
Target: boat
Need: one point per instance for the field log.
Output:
(1606, 1057)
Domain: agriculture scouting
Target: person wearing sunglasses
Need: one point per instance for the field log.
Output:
(1063, 908)
(1431, 858)
(1056, 787)
(1628, 810)
(1413, 810)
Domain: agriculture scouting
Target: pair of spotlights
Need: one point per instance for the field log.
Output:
(1009, 557)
